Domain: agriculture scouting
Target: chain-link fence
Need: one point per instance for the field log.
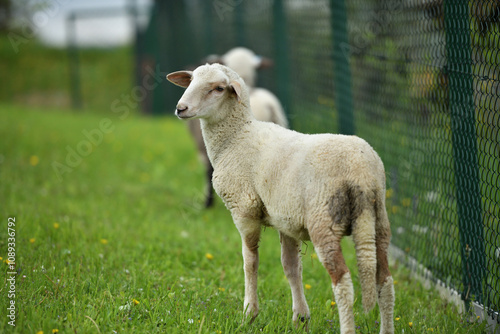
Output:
(419, 80)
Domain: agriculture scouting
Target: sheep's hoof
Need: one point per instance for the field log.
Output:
(302, 321)
(250, 313)
(249, 318)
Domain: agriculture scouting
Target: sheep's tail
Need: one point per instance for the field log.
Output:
(364, 236)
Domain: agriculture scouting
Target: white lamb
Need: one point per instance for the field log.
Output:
(308, 187)
(264, 104)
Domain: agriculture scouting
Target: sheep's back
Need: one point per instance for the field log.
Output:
(266, 107)
(298, 172)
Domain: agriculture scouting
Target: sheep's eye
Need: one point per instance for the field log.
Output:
(219, 89)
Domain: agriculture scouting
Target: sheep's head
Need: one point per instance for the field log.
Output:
(246, 63)
(243, 61)
(208, 88)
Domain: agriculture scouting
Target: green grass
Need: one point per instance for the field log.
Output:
(36, 75)
(119, 244)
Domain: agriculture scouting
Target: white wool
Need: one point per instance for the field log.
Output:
(266, 107)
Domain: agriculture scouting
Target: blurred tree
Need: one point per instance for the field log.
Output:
(16, 13)
(5, 14)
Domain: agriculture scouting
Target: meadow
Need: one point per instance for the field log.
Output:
(111, 237)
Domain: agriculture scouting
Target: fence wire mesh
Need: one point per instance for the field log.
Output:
(419, 80)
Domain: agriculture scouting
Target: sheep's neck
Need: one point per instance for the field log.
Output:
(220, 136)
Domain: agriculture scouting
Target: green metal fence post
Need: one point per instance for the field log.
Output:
(281, 53)
(208, 41)
(458, 52)
(239, 21)
(342, 70)
(74, 62)
(137, 47)
(163, 98)
(175, 50)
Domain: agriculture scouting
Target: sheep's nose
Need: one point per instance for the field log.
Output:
(181, 107)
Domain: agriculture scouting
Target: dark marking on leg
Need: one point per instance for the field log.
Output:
(382, 263)
(336, 267)
(328, 244)
(252, 242)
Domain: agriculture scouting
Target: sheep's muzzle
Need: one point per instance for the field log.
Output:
(180, 111)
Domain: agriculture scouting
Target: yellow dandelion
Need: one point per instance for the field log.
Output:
(34, 160)
(406, 202)
(56, 225)
(39, 332)
(308, 286)
(135, 301)
(332, 304)
(314, 256)
(430, 329)
(397, 318)
(222, 289)
(218, 332)
(104, 241)
(394, 209)
(388, 193)
(1, 258)
(395, 282)
(55, 330)
(6, 261)
(410, 324)
(478, 317)
(209, 256)
(32, 240)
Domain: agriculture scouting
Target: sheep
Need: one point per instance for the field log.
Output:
(308, 187)
(264, 104)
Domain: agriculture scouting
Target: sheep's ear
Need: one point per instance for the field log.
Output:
(212, 59)
(180, 78)
(235, 85)
(265, 62)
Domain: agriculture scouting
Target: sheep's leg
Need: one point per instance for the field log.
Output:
(209, 200)
(250, 235)
(292, 265)
(386, 299)
(385, 284)
(326, 240)
(344, 296)
(385, 288)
